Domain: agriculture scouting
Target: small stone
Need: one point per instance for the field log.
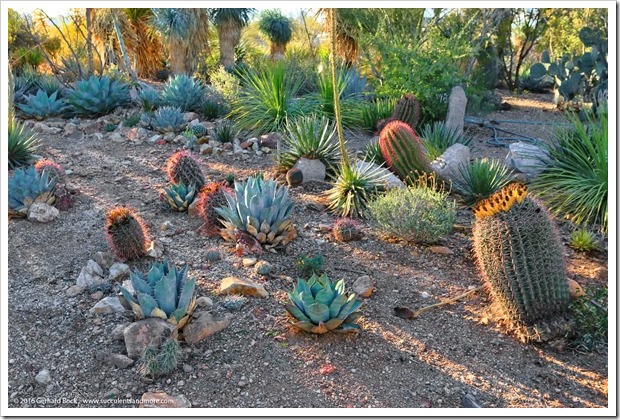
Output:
(108, 305)
(441, 250)
(204, 302)
(104, 260)
(118, 270)
(168, 137)
(245, 145)
(574, 289)
(236, 286)
(364, 286)
(42, 213)
(137, 133)
(155, 250)
(203, 326)
(75, 290)
(249, 262)
(117, 332)
(270, 140)
(312, 169)
(315, 206)
(189, 116)
(147, 332)
(213, 255)
(168, 228)
(91, 275)
(119, 360)
(425, 295)
(111, 394)
(97, 295)
(117, 138)
(262, 268)
(188, 369)
(160, 399)
(154, 139)
(206, 149)
(69, 128)
(43, 377)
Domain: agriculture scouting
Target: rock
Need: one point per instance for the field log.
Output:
(188, 368)
(312, 205)
(70, 128)
(42, 213)
(206, 149)
(249, 262)
(312, 169)
(527, 158)
(160, 399)
(168, 137)
(447, 165)
(128, 284)
(43, 377)
(271, 140)
(91, 275)
(43, 128)
(364, 286)
(75, 290)
(119, 360)
(213, 255)
(118, 270)
(168, 228)
(574, 289)
(189, 116)
(456, 109)
(154, 139)
(97, 295)
(147, 332)
(155, 250)
(441, 250)
(245, 145)
(117, 138)
(262, 268)
(180, 139)
(108, 305)
(117, 332)
(137, 133)
(204, 302)
(392, 181)
(104, 259)
(425, 295)
(203, 326)
(236, 286)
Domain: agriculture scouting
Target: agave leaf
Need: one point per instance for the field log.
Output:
(158, 313)
(325, 296)
(139, 284)
(336, 306)
(351, 306)
(352, 319)
(181, 278)
(147, 303)
(306, 326)
(165, 292)
(296, 313)
(316, 288)
(318, 312)
(333, 323)
(302, 286)
(177, 315)
(347, 328)
(137, 310)
(128, 296)
(255, 206)
(155, 273)
(186, 294)
(340, 287)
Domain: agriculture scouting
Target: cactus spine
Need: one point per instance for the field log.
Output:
(407, 110)
(181, 167)
(403, 151)
(212, 196)
(519, 254)
(127, 233)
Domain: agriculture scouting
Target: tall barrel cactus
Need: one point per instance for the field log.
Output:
(403, 151)
(407, 110)
(182, 167)
(519, 254)
(127, 233)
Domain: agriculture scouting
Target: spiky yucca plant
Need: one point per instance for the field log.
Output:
(310, 137)
(437, 138)
(183, 92)
(179, 196)
(320, 306)
(42, 105)
(481, 178)
(23, 143)
(182, 167)
(260, 208)
(127, 233)
(97, 96)
(226, 131)
(212, 196)
(27, 186)
(164, 292)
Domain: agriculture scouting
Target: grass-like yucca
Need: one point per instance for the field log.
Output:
(437, 138)
(481, 178)
(310, 137)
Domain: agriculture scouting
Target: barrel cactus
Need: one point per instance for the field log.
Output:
(53, 169)
(407, 110)
(212, 196)
(182, 167)
(403, 151)
(520, 257)
(97, 96)
(179, 196)
(164, 292)
(198, 130)
(27, 186)
(346, 229)
(261, 209)
(320, 306)
(127, 233)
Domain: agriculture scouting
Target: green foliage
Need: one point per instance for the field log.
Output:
(49, 84)
(149, 99)
(582, 240)
(481, 178)
(372, 153)
(22, 143)
(308, 266)
(179, 196)
(590, 314)
(418, 214)
(403, 151)
(97, 96)
(43, 105)
(226, 131)
(310, 137)
(319, 306)
(437, 138)
(109, 127)
(354, 187)
(376, 110)
(262, 209)
(132, 120)
(225, 83)
(239, 15)
(26, 186)
(276, 26)
(267, 99)
(157, 362)
(575, 182)
(164, 292)
(183, 92)
(213, 107)
(168, 119)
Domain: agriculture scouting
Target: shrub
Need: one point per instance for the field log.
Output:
(437, 138)
(97, 96)
(590, 314)
(22, 144)
(575, 182)
(481, 178)
(308, 266)
(310, 137)
(226, 131)
(417, 214)
(226, 84)
(582, 240)
(183, 92)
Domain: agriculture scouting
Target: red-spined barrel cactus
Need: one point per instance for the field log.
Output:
(346, 230)
(403, 151)
(407, 110)
(183, 167)
(53, 169)
(127, 233)
(211, 197)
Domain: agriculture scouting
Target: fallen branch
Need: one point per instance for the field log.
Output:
(409, 314)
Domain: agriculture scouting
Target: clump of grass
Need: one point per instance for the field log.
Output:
(156, 362)
(590, 316)
(481, 178)
(226, 131)
(582, 240)
(308, 266)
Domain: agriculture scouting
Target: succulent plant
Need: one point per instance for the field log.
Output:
(260, 208)
(212, 196)
(520, 256)
(320, 306)
(132, 120)
(27, 186)
(168, 120)
(49, 84)
(109, 127)
(372, 153)
(43, 105)
(403, 151)
(213, 106)
(127, 233)
(179, 196)
(182, 167)
(226, 131)
(212, 255)
(97, 96)
(164, 292)
(149, 99)
(346, 229)
(294, 177)
(183, 92)
(407, 110)
(23, 142)
(310, 137)
(53, 169)
(198, 130)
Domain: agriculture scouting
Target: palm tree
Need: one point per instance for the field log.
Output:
(229, 23)
(113, 32)
(279, 30)
(149, 51)
(186, 32)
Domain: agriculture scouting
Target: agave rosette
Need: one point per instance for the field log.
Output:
(28, 186)
(179, 196)
(320, 306)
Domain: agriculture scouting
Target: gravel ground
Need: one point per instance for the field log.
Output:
(259, 360)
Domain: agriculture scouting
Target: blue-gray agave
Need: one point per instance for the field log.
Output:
(168, 120)
(27, 186)
(97, 96)
(43, 105)
(165, 292)
(184, 92)
(260, 208)
(179, 196)
(320, 306)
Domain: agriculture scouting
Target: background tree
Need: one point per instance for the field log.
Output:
(279, 30)
(229, 23)
(148, 53)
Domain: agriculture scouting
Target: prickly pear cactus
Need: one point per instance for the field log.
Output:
(403, 151)
(182, 167)
(519, 254)
(127, 233)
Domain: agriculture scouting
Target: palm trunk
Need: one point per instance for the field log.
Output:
(277, 50)
(89, 42)
(229, 34)
(177, 50)
(121, 43)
